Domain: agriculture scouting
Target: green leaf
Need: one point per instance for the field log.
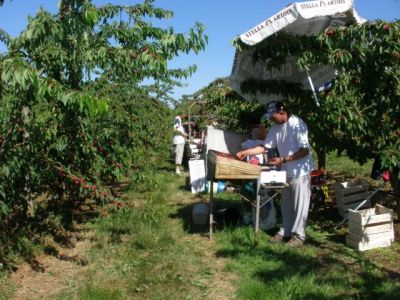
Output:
(3, 208)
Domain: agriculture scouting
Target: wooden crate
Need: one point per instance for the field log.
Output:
(361, 230)
(344, 208)
(220, 167)
(370, 228)
(350, 194)
(363, 245)
(371, 216)
(351, 188)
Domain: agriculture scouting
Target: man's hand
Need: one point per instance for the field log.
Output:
(251, 151)
(276, 161)
(241, 154)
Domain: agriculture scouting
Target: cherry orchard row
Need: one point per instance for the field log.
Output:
(75, 117)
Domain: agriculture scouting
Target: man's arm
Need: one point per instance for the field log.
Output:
(297, 155)
(252, 151)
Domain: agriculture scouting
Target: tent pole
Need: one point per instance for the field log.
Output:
(313, 89)
(189, 126)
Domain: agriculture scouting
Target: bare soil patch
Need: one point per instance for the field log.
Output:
(45, 276)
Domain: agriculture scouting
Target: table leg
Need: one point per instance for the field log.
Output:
(211, 209)
(257, 225)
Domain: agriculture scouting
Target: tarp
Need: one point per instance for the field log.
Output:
(301, 18)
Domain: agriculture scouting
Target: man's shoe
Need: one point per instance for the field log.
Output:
(178, 171)
(295, 241)
(277, 238)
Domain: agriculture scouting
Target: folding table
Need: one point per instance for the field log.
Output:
(222, 166)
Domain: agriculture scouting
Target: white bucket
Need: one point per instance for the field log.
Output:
(200, 213)
(217, 186)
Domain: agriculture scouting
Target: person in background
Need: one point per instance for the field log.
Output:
(257, 136)
(179, 141)
(289, 134)
(267, 210)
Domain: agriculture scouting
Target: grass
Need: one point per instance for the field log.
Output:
(150, 249)
(6, 288)
(324, 269)
(343, 165)
(140, 251)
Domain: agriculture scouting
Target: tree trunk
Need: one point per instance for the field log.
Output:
(321, 155)
(395, 182)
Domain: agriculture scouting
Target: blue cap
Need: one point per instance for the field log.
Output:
(273, 107)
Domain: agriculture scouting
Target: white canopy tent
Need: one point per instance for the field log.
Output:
(301, 18)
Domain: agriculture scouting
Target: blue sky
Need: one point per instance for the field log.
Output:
(224, 20)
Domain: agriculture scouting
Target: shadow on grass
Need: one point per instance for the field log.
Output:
(227, 213)
(118, 189)
(331, 271)
(335, 271)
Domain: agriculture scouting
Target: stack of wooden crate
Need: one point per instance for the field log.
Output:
(370, 228)
(349, 195)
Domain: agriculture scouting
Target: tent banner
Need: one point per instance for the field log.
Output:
(303, 18)
(307, 18)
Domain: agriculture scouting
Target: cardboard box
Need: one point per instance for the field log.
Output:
(370, 228)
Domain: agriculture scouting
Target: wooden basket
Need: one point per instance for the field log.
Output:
(220, 167)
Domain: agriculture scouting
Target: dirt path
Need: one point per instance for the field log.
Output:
(46, 275)
(221, 283)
